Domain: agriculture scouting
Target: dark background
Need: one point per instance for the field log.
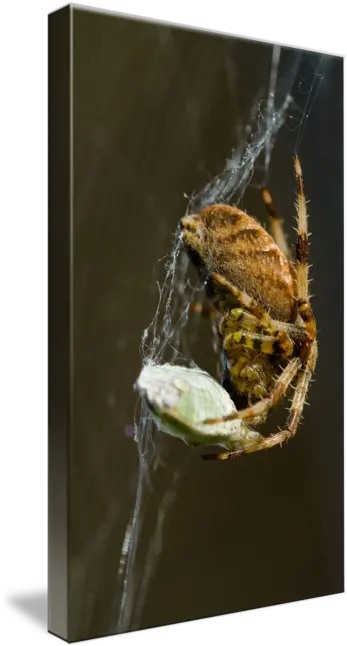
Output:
(154, 114)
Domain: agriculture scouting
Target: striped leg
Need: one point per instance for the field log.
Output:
(282, 436)
(302, 239)
(304, 307)
(251, 305)
(264, 405)
(262, 343)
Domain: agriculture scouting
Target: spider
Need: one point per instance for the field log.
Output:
(259, 303)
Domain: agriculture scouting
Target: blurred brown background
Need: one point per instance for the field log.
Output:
(155, 110)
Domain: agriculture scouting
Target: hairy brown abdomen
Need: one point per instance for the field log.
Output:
(233, 244)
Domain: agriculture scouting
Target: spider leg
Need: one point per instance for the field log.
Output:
(276, 224)
(240, 327)
(250, 304)
(262, 343)
(304, 307)
(264, 405)
(302, 236)
(240, 318)
(292, 422)
(245, 301)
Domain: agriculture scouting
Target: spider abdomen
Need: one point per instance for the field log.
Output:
(226, 240)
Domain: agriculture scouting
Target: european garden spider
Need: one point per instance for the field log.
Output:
(260, 307)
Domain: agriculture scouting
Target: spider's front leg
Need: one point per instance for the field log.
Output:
(278, 391)
(290, 428)
(264, 405)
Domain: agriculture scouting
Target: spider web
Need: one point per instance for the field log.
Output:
(166, 338)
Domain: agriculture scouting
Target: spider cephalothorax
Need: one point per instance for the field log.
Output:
(259, 305)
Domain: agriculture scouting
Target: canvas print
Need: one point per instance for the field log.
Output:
(195, 324)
